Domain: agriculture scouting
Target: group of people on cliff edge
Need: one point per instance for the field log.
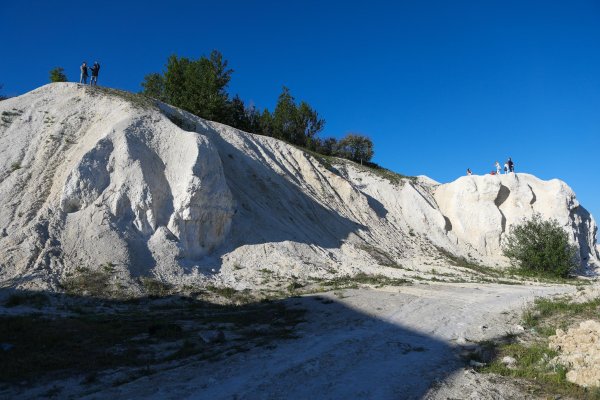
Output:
(509, 166)
(95, 69)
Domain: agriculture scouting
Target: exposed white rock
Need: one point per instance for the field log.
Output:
(89, 179)
(579, 350)
(482, 209)
(509, 361)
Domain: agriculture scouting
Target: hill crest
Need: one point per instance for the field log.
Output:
(98, 179)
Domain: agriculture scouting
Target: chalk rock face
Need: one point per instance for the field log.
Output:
(144, 176)
(96, 179)
(482, 209)
(579, 349)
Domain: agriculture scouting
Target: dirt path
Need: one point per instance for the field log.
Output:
(389, 343)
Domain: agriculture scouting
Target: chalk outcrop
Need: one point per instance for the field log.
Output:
(482, 209)
(579, 350)
(93, 178)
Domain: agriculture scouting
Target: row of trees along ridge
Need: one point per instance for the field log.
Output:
(200, 87)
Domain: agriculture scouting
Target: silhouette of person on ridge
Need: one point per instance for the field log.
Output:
(511, 165)
(84, 73)
(95, 69)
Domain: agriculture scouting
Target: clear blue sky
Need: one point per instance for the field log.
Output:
(438, 85)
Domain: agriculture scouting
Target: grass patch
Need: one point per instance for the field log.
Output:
(226, 292)
(533, 357)
(138, 100)
(353, 282)
(546, 278)
(92, 283)
(382, 257)
(155, 288)
(7, 117)
(294, 285)
(547, 315)
(14, 113)
(391, 176)
(462, 262)
(535, 370)
(330, 162)
(232, 295)
(326, 161)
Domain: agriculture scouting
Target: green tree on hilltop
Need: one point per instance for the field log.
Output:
(356, 147)
(297, 124)
(58, 75)
(237, 114)
(285, 117)
(327, 146)
(253, 117)
(197, 86)
(154, 86)
(200, 87)
(309, 124)
(266, 123)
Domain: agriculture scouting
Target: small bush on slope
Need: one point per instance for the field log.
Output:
(540, 247)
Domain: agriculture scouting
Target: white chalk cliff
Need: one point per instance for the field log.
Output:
(90, 178)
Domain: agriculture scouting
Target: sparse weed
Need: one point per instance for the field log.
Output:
(7, 117)
(354, 281)
(294, 285)
(155, 288)
(462, 262)
(546, 314)
(382, 257)
(533, 355)
(87, 282)
(138, 100)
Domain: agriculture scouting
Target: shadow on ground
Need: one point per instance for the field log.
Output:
(181, 347)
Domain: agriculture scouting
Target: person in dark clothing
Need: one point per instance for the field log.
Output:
(511, 165)
(84, 73)
(95, 69)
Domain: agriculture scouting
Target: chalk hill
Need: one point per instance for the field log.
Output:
(100, 179)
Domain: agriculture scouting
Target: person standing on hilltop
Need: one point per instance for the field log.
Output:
(498, 169)
(95, 69)
(84, 73)
(511, 165)
(505, 168)
(469, 171)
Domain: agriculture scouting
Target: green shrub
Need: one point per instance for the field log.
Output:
(155, 288)
(58, 75)
(92, 283)
(541, 247)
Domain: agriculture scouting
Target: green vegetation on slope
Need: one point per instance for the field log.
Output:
(200, 87)
(530, 349)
